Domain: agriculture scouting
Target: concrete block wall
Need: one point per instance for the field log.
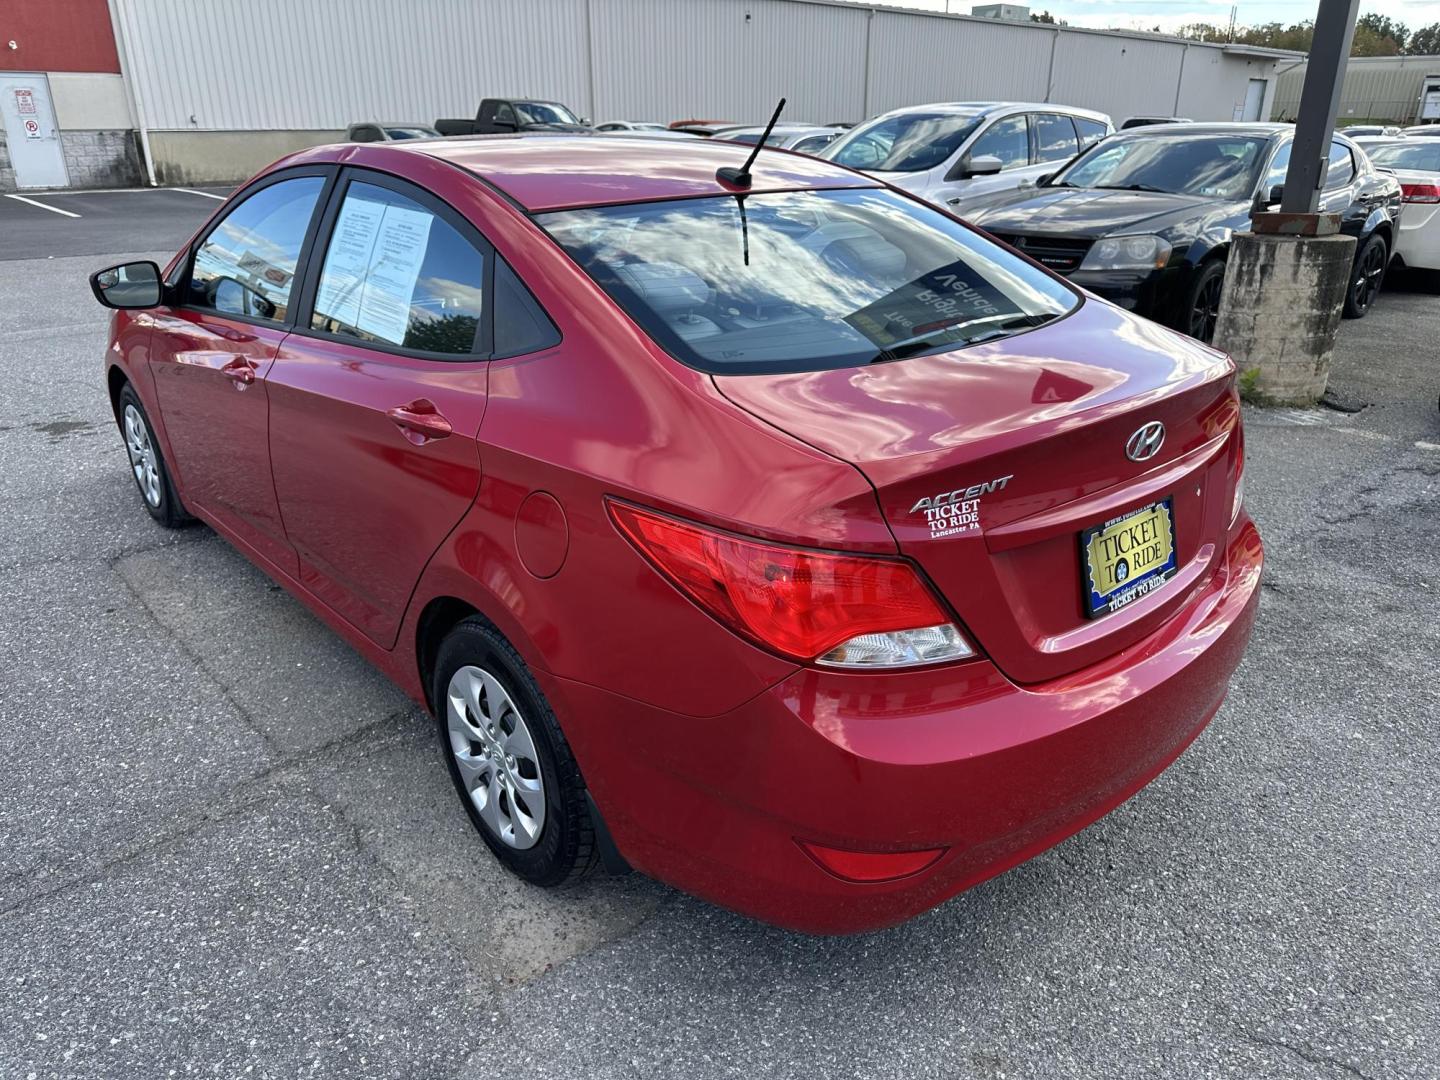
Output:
(98, 159)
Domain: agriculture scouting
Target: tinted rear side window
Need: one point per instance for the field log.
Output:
(1091, 131)
(397, 274)
(804, 281)
(521, 325)
(1054, 137)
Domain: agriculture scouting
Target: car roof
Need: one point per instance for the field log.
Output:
(780, 129)
(1226, 127)
(976, 108)
(554, 172)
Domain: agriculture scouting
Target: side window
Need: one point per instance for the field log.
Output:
(1091, 131)
(397, 274)
(367, 134)
(1005, 139)
(246, 266)
(521, 325)
(1279, 165)
(811, 143)
(1340, 169)
(505, 113)
(1054, 137)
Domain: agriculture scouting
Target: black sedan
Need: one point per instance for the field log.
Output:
(1144, 217)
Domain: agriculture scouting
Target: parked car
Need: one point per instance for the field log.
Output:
(499, 116)
(809, 550)
(629, 125)
(1147, 121)
(806, 138)
(1145, 218)
(662, 133)
(958, 152)
(1416, 164)
(393, 131)
(1357, 131)
(1422, 130)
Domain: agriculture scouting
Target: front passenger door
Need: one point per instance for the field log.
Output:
(210, 355)
(1007, 139)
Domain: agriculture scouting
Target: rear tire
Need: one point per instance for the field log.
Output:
(1366, 275)
(1202, 301)
(147, 463)
(508, 759)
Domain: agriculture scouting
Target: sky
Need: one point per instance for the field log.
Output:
(1170, 14)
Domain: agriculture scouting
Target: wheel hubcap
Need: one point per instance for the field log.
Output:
(143, 461)
(496, 757)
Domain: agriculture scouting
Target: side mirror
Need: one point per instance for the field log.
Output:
(967, 166)
(129, 285)
(1044, 181)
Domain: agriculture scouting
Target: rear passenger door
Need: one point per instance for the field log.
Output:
(377, 395)
(1056, 142)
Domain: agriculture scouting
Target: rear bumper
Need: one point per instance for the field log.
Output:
(956, 757)
(1418, 242)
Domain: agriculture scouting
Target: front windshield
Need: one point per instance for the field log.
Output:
(1424, 157)
(805, 280)
(910, 142)
(1217, 166)
(544, 112)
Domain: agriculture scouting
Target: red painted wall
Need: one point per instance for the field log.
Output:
(57, 35)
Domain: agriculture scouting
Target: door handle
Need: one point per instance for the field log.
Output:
(240, 371)
(420, 421)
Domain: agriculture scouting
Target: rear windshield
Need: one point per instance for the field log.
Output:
(805, 280)
(910, 142)
(1424, 157)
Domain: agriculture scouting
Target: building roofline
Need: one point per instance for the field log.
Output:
(1235, 49)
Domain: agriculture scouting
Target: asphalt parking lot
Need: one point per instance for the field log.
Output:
(228, 847)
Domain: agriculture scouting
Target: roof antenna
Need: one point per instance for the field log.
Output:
(741, 177)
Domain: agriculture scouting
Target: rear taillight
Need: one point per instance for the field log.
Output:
(1420, 193)
(1239, 499)
(852, 611)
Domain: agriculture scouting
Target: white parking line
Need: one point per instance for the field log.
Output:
(41, 205)
(192, 191)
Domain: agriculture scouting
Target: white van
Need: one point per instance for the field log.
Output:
(954, 152)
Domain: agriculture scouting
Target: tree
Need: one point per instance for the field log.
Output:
(1379, 35)
(1425, 41)
(1048, 19)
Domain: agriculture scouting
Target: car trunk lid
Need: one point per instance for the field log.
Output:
(990, 461)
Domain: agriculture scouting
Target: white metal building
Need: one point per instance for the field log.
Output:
(218, 89)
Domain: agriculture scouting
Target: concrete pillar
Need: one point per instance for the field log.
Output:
(1279, 311)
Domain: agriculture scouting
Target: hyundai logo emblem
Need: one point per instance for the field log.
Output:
(1146, 442)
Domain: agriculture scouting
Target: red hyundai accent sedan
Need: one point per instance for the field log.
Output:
(779, 536)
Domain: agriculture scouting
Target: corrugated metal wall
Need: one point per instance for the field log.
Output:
(1376, 88)
(322, 64)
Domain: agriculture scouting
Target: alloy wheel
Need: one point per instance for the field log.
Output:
(495, 753)
(1368, 276)
(1206, 311)
(143, 461)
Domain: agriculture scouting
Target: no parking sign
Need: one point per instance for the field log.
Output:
(32, 129)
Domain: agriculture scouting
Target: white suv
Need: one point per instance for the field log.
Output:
(952, 153)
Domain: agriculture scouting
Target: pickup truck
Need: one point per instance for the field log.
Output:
(500, 115)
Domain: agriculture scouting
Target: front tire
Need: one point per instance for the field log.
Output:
(147, 464)
(508, 759)
(1366, 275)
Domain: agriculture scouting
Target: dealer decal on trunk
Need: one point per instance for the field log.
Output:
(953, 512)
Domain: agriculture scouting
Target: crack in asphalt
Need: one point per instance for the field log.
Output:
(1302, 1052)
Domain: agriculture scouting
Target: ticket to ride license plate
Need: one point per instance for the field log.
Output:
(1128, 557)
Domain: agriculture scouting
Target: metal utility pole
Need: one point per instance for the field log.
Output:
(1319, 104)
